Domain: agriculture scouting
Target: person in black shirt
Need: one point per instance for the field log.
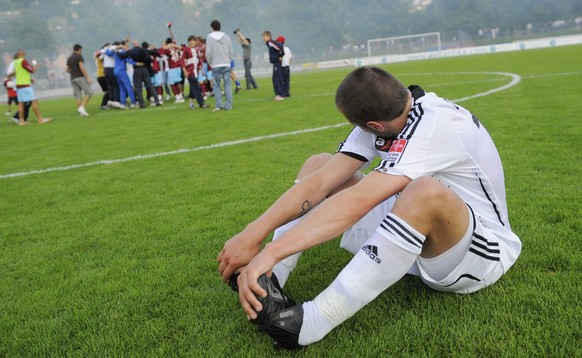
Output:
(80, 79)
(142, 72)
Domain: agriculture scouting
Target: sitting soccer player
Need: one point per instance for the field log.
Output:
(448, 224)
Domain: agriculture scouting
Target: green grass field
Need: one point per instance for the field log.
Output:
(118, 258)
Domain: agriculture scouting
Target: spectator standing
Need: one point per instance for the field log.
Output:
(247, 59)
(80, 79)
(24, 91)
(286, 66)
(219, 53)
(276, 53)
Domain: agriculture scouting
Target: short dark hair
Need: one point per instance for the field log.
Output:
(169, 40)
(371, 94)
(77, 47)
(249, 40)
(215, 24)
(192, 37)
(145, 44)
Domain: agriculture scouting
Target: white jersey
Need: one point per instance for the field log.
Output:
(444, 141)
(286, 60)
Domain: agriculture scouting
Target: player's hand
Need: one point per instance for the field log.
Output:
(236, 253)
(248, 288)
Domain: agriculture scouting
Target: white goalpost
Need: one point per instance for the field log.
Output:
(401, 45)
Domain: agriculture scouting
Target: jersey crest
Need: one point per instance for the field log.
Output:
(396, 150)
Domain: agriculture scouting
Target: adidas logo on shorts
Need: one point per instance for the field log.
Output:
(372, 251)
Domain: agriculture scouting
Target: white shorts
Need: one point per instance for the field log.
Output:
(491, 252)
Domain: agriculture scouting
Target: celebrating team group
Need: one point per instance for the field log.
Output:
(124, 73)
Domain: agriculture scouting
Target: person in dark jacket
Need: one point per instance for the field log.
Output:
(276, 52)
(142, 72)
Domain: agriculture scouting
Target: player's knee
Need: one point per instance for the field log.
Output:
(423, 193)
(313, 163)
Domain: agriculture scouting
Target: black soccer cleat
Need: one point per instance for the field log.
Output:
(280, 317)
(232, 281)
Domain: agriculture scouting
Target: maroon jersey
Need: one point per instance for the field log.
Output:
(174, 55)
(190, 61)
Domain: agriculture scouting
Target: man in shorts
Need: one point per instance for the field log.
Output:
(80, 79)
(24, 91)
(434, 207)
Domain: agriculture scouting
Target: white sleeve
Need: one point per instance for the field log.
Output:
(359, 145)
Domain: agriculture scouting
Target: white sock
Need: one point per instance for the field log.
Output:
(378, 265)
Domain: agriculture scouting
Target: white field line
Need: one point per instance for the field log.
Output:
(163, 154)
(515, 79)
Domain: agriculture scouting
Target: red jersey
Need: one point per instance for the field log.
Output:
(174, 55)
(201, 56)
(190, 61)
(10, 89)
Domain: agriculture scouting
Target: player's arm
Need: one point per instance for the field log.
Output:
(30, 68)
(297, 201)
(328, 220)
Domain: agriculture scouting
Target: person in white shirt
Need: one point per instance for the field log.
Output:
(285, 65)
(434, 207)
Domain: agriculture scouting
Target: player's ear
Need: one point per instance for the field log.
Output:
(375, 125)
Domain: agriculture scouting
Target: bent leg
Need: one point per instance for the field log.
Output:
(427, 220)
(435, 211)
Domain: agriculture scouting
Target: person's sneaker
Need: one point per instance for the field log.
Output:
(191, 106)
(280, 317)
(43, 120)
(278, 98)
(168, 97)
(82, 111)
(104, 107)
(205, 106)
(217, 109)
(7, 113)
(133, 105)
(179, 100)
(237, 89)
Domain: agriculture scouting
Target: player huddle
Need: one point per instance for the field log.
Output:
(168, 67)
